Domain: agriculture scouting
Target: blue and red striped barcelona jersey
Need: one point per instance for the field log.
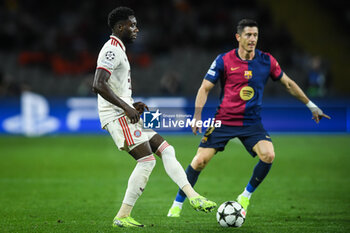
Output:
(242, 83)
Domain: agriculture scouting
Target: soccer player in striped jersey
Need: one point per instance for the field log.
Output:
(242, 73)
(120, 116)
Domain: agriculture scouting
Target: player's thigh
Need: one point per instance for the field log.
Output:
(141, 150)
(202, 157)
(141, 136)
(158, 144)
(129, 137)
(264, 149)
(251, 136)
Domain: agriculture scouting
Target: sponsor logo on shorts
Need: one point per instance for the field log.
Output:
(137, 133)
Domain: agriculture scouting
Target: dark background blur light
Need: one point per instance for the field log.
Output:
(50, 47)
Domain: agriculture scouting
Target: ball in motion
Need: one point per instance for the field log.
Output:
(230, 214)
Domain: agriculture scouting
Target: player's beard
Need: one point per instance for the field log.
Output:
(128, 39)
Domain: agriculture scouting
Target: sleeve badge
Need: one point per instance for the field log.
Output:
(110, 55)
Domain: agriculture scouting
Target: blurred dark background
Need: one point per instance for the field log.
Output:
(51, 47)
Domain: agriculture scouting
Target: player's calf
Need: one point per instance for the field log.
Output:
(172, 167)
(138, 180)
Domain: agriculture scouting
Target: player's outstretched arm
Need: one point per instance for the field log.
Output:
(201, 99)
(101, 87)
(295, 90)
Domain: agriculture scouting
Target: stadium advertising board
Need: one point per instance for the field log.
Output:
(35, 115)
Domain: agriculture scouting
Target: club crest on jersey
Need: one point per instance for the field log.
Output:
(110, 55)
(246, 93)
(137, 133)
(248, 74)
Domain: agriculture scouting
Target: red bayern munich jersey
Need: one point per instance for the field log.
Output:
(242, 83)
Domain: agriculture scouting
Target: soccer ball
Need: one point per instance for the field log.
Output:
(230, 214)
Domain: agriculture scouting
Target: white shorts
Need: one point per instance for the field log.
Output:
(127, 136)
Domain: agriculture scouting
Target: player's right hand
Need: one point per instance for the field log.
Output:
(140, 107)
(132, 114)
(196, 129)
(317, 115)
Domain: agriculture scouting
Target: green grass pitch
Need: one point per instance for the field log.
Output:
(76, 184)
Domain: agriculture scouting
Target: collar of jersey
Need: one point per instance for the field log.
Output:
(237, 55)
(119, 41)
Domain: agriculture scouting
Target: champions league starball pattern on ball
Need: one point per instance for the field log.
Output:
(230, 214)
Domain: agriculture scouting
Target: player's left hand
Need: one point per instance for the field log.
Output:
(317, 115)
(140, 107)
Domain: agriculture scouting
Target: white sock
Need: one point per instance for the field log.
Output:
(138, 179)
(246, 193)
(179, 204)
(172, 167)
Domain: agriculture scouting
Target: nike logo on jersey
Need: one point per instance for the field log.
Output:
(233, 69)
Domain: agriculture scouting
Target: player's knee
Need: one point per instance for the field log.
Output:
(199, 163)
(267, 156)
(153, 163)
(148, 162)
(169, 151)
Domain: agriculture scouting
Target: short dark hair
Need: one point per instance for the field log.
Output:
(119, 14)
(246, 23)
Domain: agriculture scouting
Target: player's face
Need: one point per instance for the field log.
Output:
(130, 30)
(248, 38)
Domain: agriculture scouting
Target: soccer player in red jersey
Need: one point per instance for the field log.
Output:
(242, 73)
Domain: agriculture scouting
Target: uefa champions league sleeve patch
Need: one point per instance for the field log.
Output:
(109, 60)
(110, 55)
